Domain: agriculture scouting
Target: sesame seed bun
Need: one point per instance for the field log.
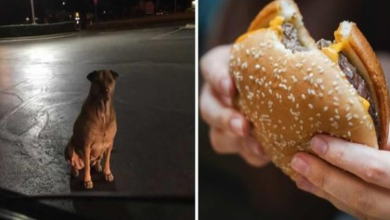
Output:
(291, 96)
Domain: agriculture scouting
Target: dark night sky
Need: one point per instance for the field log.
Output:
(16, 11)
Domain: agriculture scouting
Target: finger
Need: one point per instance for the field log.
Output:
(359, 195)
(219, 116)
(225, 142)
(229, 143)
(215, 69)
(305, 185)
(367, 163)
(253, 152)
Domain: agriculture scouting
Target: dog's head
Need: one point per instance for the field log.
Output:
(103, 84)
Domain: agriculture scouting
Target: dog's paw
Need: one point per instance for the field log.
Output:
(88, 184)
(98, 168)
(109, 177)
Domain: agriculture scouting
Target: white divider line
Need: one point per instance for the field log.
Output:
(165, 34)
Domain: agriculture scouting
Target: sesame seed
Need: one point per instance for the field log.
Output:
(310, 106)
(298, 65)
(349, 133)
(350, 123)
(325, 108)
(337, 117)
(257, 66)
(330, 92)
(331, 119)
(303, 96)
(318, 115)
(311, 119)
(322, 87)
(244, 65)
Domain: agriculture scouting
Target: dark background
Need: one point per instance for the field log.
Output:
(16, 11)
(228, 187)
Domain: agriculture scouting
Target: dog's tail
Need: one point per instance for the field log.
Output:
(71, 157)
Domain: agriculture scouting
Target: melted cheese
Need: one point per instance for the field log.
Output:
(365, 103)
(334, 49)
(275, 25)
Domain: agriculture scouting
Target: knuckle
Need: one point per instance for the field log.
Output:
(361, 200)
(215, 143)
(339, 157)
(374, 172)
(322, 180)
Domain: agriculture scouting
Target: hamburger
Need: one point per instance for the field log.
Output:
(291, 88)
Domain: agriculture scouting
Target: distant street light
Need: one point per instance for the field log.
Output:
(33, 11)
(63, 3)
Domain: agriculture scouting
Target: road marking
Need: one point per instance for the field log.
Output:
(166, 34)
(174, 38)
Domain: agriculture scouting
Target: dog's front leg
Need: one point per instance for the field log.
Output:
(87, 161)
(107, 171)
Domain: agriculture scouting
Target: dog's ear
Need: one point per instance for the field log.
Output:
(92, 76)
(114, 74)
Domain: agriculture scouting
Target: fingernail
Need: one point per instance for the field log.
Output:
(226, 84)
(255, 147)
(236, 125)
(319, 146)
(304, 184)
(300, 165)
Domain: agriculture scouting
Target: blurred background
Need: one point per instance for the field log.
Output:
(228, 187)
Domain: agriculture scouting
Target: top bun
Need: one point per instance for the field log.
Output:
(291, 96)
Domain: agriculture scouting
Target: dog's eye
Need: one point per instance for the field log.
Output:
(110, 81)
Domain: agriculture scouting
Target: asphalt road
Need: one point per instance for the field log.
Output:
(42, 87)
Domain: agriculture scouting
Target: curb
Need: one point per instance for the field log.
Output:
(189, 26)
(40, 37)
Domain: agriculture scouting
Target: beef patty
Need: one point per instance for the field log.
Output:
(291, 41)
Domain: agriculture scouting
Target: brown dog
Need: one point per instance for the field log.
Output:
(95, 128)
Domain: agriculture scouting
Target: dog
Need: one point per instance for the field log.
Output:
(95, 129)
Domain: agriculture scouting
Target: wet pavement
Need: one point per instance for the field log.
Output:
(43, 85)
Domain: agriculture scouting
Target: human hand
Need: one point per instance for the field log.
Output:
(229, 129)
(353, 177)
